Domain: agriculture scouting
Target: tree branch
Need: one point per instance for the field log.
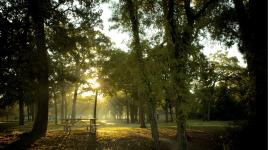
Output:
(203, 9)
(189, 12)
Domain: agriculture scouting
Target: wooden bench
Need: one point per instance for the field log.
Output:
(69, 123)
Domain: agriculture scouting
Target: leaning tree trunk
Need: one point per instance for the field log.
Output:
(133, 16)
(38, 10)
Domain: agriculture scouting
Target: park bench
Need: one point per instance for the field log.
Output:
(69, 123)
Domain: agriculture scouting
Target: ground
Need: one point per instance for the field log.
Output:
(119, 136)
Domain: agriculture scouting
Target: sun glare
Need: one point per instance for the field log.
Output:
(86, 94)
(93, 83)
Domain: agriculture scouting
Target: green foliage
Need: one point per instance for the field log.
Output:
(222, 85)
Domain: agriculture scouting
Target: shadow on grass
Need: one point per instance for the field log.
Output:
(92, 142)
(25, 141)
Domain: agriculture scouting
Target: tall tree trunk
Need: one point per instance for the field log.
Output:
(253, 44)
(74, 101)
(65, 108)
(181, 127)
(132, 119)
(28, 113)
(38, 10)
(178, 44)
(205, 110)
(133, 15)
(172, 43)
(142, 115)
(135, 113)
(128, 105)
(21, 111)
(33, 110)
(166, 109)
(56, 109)
(77, 73)
(128, 111)
(170, 111)
(208, 112)
(211, 93)
(40, 122)
(63, 99)
(154, 128)
(95, 107)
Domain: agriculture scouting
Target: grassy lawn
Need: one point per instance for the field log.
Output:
(117, 135)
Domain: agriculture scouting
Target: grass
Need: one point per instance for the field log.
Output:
(117, 135)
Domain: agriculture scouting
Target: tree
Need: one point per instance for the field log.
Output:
(243, 24)
(179, 37)
(145, 83)
(15, 55)
(215, 70)
(38, 11)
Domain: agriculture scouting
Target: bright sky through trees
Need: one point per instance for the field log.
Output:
(94, 84)
(121, 39)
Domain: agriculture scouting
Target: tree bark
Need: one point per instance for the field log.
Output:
(208, 114)
(132, 118)
(37, 10)
(77, 73)
(135, 113)
(65, 108)
(56, 109)
(252, 26)
(33, 110)
(181, 127)
(74, 101)
(133, 14)
(166, 109)
(173, 39)
(95, 106)
(40, 122)
(170, 111)
(128, 105)
(28, 113)
(178, 46)
(21, 110)
(142, 115)
(63, 99)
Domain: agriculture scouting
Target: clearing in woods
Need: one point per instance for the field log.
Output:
(120, 136)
